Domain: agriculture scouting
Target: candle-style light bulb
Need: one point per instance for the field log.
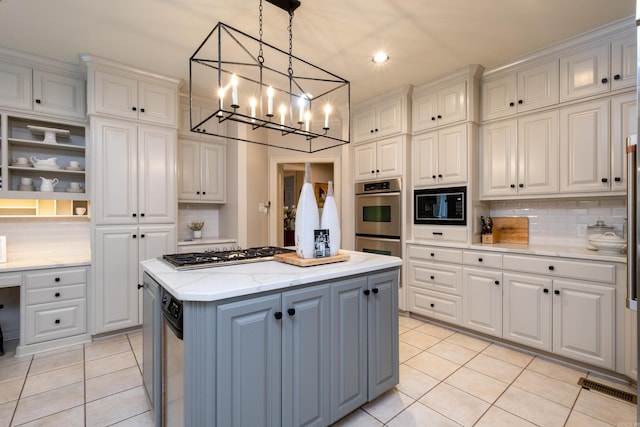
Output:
(221, 100)
(283, 111)
(301, 103)
(307, 119)
(234, 91)
(327, 111)
(253, 102)
(270, 93)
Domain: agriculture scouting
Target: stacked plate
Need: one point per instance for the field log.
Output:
(26, 187)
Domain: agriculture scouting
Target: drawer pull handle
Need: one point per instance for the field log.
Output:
(437, 233)
(57, 279)
(57, 295)
(57, 322)
(551, 268)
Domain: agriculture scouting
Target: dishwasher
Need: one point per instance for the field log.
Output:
(172, 361)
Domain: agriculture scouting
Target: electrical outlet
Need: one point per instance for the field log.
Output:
(582, 230)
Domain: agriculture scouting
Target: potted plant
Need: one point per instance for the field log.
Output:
(196, 228)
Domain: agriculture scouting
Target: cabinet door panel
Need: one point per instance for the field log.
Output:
(483, 300)
(498, 97)
(365, 161)
(305, 359)
(15, 86)
(156, 175)
(425, 158)
(583, 322)
(624, 62)
(584, 151)
(349, 346)
(364, 125)
(498, 167)
(538, 86)
(538, 154)
(214, 172)
(624, 122)
(55, 320)
(56, 94)
(115, 95)
(388, 118)
(425, 110)
(527, 310)
(157, 104)
(189, 170)
(452, 155)
(248, 368)
(390, 158)
(452, 104)
(581, 72)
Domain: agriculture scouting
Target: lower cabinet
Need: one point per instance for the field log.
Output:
(483, 300)
(308, 356)
(118, 277)
(151, 346)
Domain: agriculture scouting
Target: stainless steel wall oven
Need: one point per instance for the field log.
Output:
(379, 216)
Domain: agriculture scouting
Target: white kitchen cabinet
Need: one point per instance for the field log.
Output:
(380, 159)
(482, 292)
(440, 157)
(55, 304)
(44, 92)
(584, 148)
(520, 157)
(201, 171)
(134, 173)
(118, 252)
(624, 122)
(197, 113)
(439, 107)
(121, 94)
(598, 68)
(379, 119)
(532, 87)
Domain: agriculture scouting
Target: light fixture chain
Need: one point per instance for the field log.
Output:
(290, 43)
(260, 53)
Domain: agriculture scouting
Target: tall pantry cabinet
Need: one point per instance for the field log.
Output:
(133, 120)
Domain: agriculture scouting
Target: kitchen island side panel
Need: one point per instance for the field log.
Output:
(200, 358)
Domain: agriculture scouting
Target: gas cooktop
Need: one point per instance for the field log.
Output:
(193, 260)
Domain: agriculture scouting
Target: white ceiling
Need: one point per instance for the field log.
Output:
(426, 39)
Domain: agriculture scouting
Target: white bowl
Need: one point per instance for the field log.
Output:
(608, 242)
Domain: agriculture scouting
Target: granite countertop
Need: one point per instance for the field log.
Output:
(217, 283)
(45, 262)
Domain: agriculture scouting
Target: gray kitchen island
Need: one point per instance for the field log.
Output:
(269, 343)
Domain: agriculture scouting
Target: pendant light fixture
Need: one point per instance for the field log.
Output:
(300, 106)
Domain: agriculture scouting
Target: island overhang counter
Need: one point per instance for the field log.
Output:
(269, 343)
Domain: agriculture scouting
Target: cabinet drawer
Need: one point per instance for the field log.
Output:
(442, 233)
(581, 270)
(436, 276)
(59, 293)
(49, 278)
(9, 280)
(482, 259)
(433, 253)
(55, 320)
(436, 305)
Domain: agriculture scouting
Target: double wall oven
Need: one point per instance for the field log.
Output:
(379, 216)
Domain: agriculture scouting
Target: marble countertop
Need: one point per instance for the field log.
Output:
(44, 262)
(207, 241)
(217, 283)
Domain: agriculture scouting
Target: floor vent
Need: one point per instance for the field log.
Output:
(610, 391)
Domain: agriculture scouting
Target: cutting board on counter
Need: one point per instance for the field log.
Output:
(294, 259)
(511, 229)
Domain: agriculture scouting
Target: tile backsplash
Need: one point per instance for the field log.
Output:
(29, 238)
(188, 212)
(563, 221)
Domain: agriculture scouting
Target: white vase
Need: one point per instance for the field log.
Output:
(331, 221)
(307, 219)
(197, 234)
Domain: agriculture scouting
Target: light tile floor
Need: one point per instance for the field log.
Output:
(447, 378)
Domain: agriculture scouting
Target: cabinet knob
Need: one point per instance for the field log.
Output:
(204, 192)
(142, 236)
(377, 170)
(432, 254)
(551, 268)
(617, 77)
(512, 186)
(367, 292)
(557, 292)
(134, 215)
(57, 322)
(545, 290)
(433, 176)
(617, 179)
(376, 130)
(605, 80)
(512, 104)
(197, 192)
(497, 282)
(38, 101)
(439, 116)
(432, 305)
(433, 277)
(439, 175)
(140, 286)
(142, 110)
(134, 109)
(520, 101)
(479, 259)
(291, 311)
(521, 185)
(57, 279)
(433, 118)
(135, 236)
(142, 214)
(371, 131)
(277, 315)
(375, 290)
(57, 295)
(605, 180)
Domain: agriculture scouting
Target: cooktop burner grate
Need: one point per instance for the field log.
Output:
(193, 260)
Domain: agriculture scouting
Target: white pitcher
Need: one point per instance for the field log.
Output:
(48, 184)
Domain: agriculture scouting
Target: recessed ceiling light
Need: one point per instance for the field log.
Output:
(380, 57)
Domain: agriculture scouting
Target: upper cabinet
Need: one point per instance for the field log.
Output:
(439, 106)
(380, 118)
(440, 157)
(201, 171)
(118, 92)
(381, 159)
(198, 114)
(42, 86)
(598, 68)
(518, 91)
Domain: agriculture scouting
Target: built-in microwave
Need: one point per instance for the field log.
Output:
(441, 206)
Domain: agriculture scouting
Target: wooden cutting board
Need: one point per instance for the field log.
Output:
(292, 258)
(511, 229)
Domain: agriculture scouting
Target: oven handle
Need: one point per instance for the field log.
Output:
(387, 193)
